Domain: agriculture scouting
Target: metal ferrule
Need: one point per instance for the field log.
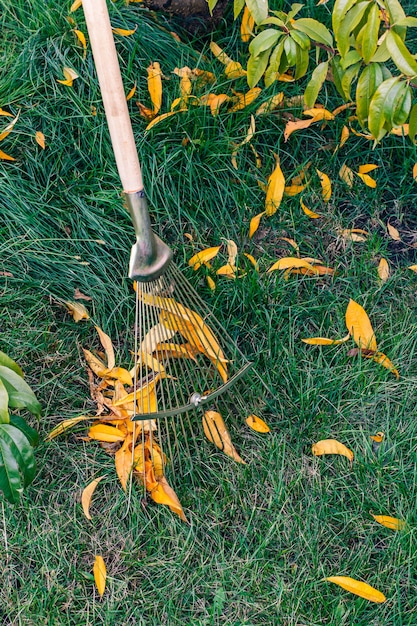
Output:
(150, 256)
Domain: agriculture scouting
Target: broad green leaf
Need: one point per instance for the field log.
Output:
(237, 7)
(412, 123)
(358, 588)
(8, 362)
(379, 102)
(406, 21)
(341, 7)
(301, 39)
(273, 20)
(368, 35)
(400, 54)
(338, 73)
(4, 404)
(274, 63)
(295, 9)
(17, 462)
(290, 49)
(259, 9)
(20, 394)
(368, 82)
(396, 14)
(348, 77)
(302, 61)
(382, 53)
(351, 58)
(400, 106)
(315, 30)
(350, 22)
(264, 41)
(30, 433)
(315, 84)
(256, 67)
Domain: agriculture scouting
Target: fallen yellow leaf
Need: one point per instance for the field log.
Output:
(87, 494)
(108, 347)
(6, 157)
(124, 32)
(252, 260)
(275, 190)
(360, 327)
(219, 54)
(216, 432)
(65, 425)
(6, 113)
(123, 462)
(368, 180)
(8, 129)
(40, 139)
(247, 25)
(242, 100)
(164, 116)
(77, 310)
(382, 359)
(308, 211)
(294, 190)
(234, 70)
(254, 224)
(393, 232)
(155, 86)
(211, 283)
(131, 93)
(103, 432)
(367, 167)
(358, 588)
(344, 136)
(214, 101)
(70, 76)
(347, 175)
(272, 103)
(415, 172)
(331, 446)
(383, 270)
(257, 424)
(203, 257)
(389, 522)
(413, 268)
(230, 271)
(354, 234)
(75, 5)
(100, 574)
(290, 262)
(292, 243)
(164, 494)
(81, 38)
(326, 185)
(324, 341)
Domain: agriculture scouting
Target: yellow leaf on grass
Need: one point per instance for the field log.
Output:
(368, 180)
(40, 139)
(252, 260)
(294, 125)
(203, 257)
(393, 232)
(319, 113)
(353, 234)
(123, 462)
(247, 25)
(242, 100)
(77, 310)
(108, 347)
(415, 172)
(378, 438)
(164, 494)
(389, 522)
(413, 268)
(103, 432)
(383, 270)
(8, 129)
(294, 190)
(5, 113)
(6, 157)
(100, 574)
(367, 167)
(70, 76)
(81, 38)
(164, 116)
(292, 243)
(360, 327)
(124, 32)
(214, 101)
(382, 359)
(95, 364)
(254, 224)
(215, 430)
(272, 103)
(211, 283)
(358, 588)
(290, 262)
(331, 446)
(275, 190)
(219, 54)
(234, 70)
(324, 341)
(75, 5)
(155, 86)
(227, 270)
(257, 424)
(131, 93)
(344, 136)
(231, 251)
(347, 175)
(65, 425)
(308, 212)
(326, 185)
(87, 494)
(154, 337)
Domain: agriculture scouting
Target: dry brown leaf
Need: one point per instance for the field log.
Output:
(87, 494)
(360, 327)
(77, 310)
(389, 522)
(257, 424)
(100, 574)
(331, 446)
(383, 270)
(216, 432)
(393, 232)
(358, 588)
(108, 347)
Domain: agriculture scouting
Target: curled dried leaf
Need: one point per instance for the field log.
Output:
(77, 310)
(87, 494)
(216, 432)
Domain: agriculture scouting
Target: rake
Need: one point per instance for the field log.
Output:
(185, 362)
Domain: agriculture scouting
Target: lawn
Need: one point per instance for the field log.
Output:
(261, 537)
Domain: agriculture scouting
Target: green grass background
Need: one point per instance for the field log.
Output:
(262, 536)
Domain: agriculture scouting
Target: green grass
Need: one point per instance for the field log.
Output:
(262, 536)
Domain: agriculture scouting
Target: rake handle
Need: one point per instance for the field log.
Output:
(112, 91)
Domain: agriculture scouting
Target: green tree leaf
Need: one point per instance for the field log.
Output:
(338, 73)
(274, 63)
(301, 39)
(400, 54)
(17, 462)
(341, 7)
(382, 54)
(348, 77)
(406, 21)
(290, 48)
(302, 61)
(396, 14)
(397, 112)
(368, 82)
(380, 102)
(315, 30)
(8, 362)
(20, 394)
(264, 41)
(256, 67)
(30, 433)
(367, 39)
(412, 123)
(351, 58)
(237, 7)
(258, 9)
(4, 404)
(315, 84)
(350, 22)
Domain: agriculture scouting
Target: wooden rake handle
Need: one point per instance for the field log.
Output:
(112, 91)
